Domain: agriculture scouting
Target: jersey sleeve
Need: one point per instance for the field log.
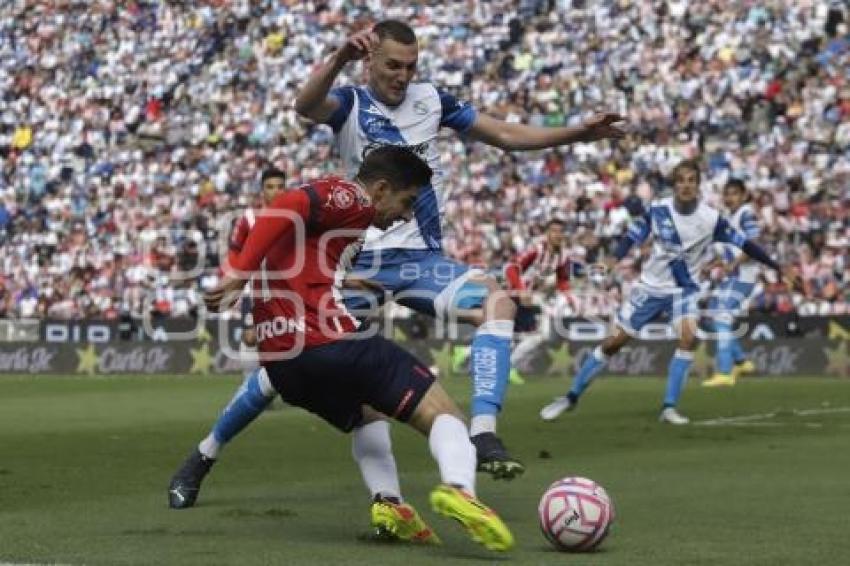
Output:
(562, 276)
(272, 226)
(456, 115)
(515, 269)
(345, 97)
(238, 235)
(750, 225)
(637, 233)
(724, 233)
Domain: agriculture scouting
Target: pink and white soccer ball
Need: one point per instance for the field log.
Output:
(575, 514)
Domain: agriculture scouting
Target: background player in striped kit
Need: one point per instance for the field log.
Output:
(683, 229)
(730, 298)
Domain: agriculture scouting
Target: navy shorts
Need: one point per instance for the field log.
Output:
(526, 318)
(335, 380)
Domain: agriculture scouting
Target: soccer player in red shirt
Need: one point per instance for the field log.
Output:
(310, 347)
(543, 266)
(272, 182)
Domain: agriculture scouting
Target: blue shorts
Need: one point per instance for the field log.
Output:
(335, 380)
(423, 280)
(730, 298)
(642, 307)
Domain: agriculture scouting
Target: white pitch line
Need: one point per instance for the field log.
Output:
(736, 420)
(752, 420)
(738, 423)
(806, 412)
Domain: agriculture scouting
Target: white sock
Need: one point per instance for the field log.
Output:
(454, 453)
(266, 387)
(249, 357)
(372, 449)
(525, 348)
(482, 423)
(209, 446)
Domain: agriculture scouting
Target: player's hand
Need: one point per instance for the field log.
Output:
(722, 266)
(358, 46)
(225, 294)
(362, 284)
(601, 127)
(791, 278)
(604, 268)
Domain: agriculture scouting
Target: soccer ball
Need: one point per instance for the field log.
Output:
(575, 514)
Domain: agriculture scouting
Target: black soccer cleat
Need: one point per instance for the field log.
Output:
(494, 459)
(186, 483)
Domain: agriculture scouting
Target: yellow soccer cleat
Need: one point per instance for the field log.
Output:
(720, 380)
(400, 521)
(481, 522)
(516, 377)
(744, 368)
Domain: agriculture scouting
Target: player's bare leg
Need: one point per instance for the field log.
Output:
(593, 364)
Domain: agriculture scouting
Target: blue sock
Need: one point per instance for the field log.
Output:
(592, 365)
(677, 376)
(248, 403)
(738, 354)
(491, 366)
(723, 358)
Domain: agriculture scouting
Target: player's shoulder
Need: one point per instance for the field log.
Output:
(248, 218)
(424, 87)
(339, 195)
(747, 210)
(660, 203)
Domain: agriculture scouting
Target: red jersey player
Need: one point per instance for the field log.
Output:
(309, 346)
(272, 182)
(544, 266)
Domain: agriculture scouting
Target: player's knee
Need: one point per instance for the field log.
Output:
(688, 342)
(499, 304)
(434, 403)
(614, 343)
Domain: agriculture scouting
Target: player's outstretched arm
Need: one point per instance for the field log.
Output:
(509, 136)
(278, 221)
(725, 233)
(314, 100)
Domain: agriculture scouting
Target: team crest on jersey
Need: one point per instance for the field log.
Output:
(420, 107)
(343, 198)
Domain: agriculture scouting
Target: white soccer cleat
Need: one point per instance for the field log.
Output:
(554, 409)
(671, 415)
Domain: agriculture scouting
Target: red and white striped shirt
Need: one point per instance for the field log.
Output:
(528, 269)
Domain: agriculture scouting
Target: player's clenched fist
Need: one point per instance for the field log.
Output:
(358, 46)
(224, 295)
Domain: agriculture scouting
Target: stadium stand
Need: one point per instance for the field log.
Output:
(129, 129)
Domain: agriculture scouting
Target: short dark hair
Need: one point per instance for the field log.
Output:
(397, 164)
(687, 164)
(395, 30)
(272, 173)
(736, 184)
(555, 220)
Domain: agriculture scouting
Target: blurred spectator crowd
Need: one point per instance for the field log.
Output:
(131, 132)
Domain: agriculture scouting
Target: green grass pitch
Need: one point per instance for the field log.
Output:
(84, 465)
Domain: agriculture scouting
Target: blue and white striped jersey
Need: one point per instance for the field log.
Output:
(362, 123)
(744, 221)
(681, 244)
